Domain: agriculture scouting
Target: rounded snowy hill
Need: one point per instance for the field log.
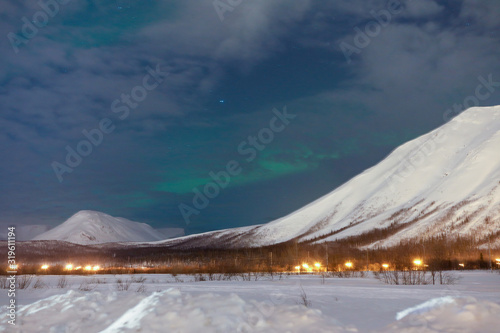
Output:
(90, 227)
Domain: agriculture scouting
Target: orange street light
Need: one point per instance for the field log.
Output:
(348, 264)
(45, 266)
(69, 267)
(417, 262)
(385, 266)
(307, 268)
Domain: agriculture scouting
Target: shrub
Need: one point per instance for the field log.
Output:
(123, 285)
(303, 298)
(62, 282)
(86, 286)
(39, 283)
(415, 277)
(24, 281)
(138, 279)
(141, 288)
(199, 277)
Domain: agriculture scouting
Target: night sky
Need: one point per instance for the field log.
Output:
(354, 88)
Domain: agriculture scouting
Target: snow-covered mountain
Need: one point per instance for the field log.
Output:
(446, 181)
(90, 227)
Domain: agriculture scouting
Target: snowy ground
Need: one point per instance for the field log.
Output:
(163, 303)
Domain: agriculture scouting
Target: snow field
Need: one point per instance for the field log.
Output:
(179, 304)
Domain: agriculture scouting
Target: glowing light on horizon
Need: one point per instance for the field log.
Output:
(417, 262)
(307, 267)
(385, 265)
(69, 267)
(45, 266)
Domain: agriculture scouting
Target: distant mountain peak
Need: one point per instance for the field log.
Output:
(92, 227)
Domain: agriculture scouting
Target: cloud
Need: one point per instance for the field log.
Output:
(421, 8)
(414, 68)
(251, 32)
(482, 13)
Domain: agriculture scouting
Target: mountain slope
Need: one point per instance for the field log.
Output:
(446, 181)
(90, 227)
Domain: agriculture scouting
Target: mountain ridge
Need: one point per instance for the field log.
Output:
(445, 181)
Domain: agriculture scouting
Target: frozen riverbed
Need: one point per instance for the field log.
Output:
(125, 303)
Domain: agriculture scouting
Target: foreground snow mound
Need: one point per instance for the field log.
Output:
(166, 311)
(90, 227)
(448, 314)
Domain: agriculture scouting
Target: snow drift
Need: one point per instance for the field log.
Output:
(449, 314)
(175, 311)
(165, 311)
